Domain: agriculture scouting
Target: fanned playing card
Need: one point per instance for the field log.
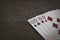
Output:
(47, 24)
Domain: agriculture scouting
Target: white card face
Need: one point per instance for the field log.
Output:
(39, 27)
(47, 24)
(42, 18)
(45, 27)
(52, 22)
(34, 22)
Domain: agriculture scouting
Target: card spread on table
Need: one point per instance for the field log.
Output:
(47, 24)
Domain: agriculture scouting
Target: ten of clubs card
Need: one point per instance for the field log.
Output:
(47, 24)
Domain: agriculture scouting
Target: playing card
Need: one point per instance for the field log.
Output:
(47, 29)
(51, 18)
(34, 22)
(47, 24)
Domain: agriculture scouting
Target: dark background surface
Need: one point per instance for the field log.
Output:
(15, 13)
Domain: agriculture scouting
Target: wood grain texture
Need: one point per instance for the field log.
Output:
(15, 13)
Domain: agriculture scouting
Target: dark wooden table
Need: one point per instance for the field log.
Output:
(15, 13)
